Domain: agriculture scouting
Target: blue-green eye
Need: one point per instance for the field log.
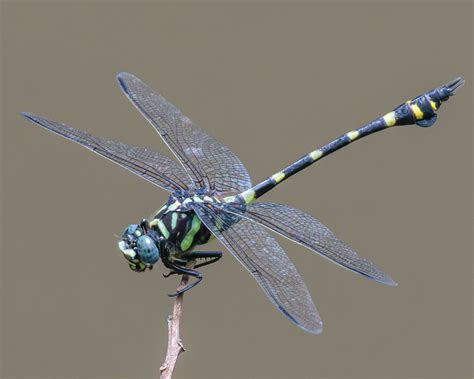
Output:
(132, 230)
(147, 251)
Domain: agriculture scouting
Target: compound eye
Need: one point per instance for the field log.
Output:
(132, 231)
(147, 250)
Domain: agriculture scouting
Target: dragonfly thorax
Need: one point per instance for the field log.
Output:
(174, 230)
(178, 226)
(182, 201)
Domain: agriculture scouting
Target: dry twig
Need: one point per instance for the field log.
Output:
(175, 346)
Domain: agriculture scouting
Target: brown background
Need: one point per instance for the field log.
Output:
(271, 81)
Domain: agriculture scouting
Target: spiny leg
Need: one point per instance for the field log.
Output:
(213, 257)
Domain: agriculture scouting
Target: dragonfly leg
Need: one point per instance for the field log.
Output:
(186, 271)
(210, 256)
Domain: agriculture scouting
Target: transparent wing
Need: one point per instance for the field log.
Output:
(208, 163)
(261, 255)
(304, 229)
(158, 169)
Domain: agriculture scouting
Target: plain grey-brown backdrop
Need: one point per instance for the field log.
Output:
(272, 81)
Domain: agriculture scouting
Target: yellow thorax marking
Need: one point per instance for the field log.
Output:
(390, 119)
(189, 237)
(162, 227)
(433, 105)
(174, 206)
(174, 220)
(278, 177)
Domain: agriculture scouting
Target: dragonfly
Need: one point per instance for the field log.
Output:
(211, 196)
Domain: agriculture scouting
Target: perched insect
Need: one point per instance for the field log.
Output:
(212, 195)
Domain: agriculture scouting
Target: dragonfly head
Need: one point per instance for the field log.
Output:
(138, 247)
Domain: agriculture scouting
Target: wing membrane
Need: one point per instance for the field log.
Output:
(208, 163)
(261, 255)
(304, 229)
(158, 169)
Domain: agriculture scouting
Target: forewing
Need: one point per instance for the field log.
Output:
(261, 255)
(304, 229)
(158, 169)
(208, 163)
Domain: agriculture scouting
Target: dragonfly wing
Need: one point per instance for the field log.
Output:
(208, 163)
(304, 229)
(158, 169)
(263, 257)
